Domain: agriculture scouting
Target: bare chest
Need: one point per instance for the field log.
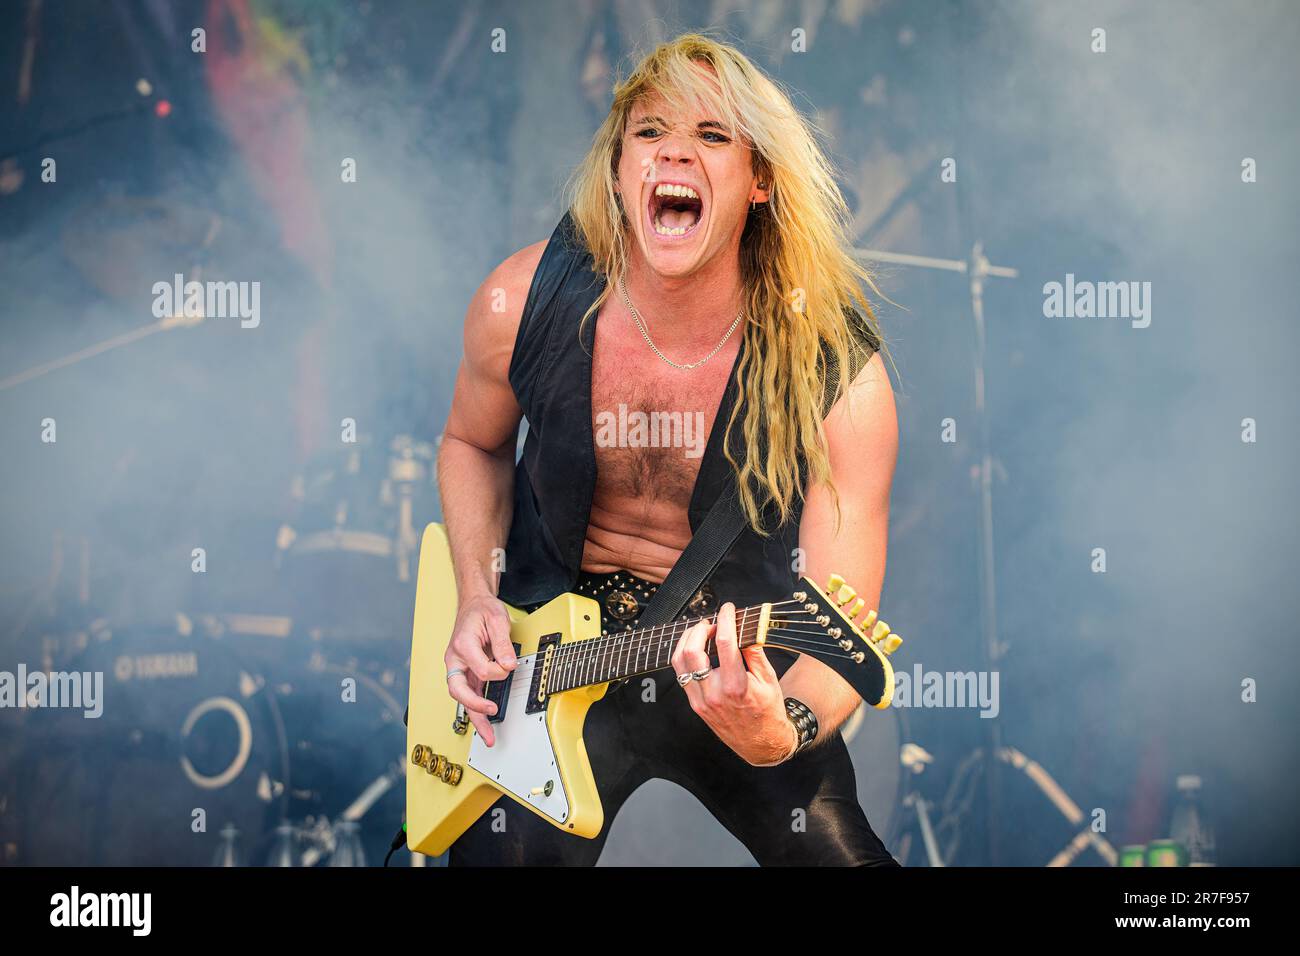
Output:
(651, 422)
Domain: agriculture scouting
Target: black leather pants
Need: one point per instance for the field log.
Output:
(801, 813)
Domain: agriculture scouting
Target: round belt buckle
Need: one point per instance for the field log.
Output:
(622, 605)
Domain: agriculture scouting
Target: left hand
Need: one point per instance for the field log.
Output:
(741, 700)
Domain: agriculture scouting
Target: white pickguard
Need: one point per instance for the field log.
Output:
(522, 760)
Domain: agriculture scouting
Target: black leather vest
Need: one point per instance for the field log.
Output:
(550, 373)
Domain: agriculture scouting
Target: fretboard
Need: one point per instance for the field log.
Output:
(616, 656)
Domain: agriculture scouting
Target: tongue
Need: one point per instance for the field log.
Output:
(678, 219)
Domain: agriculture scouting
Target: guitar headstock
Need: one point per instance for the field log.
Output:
(829, 624)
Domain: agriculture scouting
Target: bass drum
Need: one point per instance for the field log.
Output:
(347, 746)
(189, 741)
(661, 824)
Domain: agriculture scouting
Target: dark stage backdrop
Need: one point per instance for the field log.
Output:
(367, 163)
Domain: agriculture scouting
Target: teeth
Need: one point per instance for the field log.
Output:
(679, 191)
(672, 189)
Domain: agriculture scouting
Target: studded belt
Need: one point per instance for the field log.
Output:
(623, 596)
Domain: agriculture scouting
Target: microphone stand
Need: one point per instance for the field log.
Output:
(978, 269)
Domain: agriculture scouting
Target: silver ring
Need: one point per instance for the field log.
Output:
(684, 679)
(453, 672)
(701, 674)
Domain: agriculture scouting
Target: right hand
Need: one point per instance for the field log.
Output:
(480, 646)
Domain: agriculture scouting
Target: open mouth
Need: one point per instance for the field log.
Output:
(675, 210)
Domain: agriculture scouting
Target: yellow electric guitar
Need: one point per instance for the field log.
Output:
(539, 759)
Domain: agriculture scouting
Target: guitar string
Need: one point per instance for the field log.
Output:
(816, 649)
(577, 653)
(627, 645)
(639, 641)
(588, 652)
(524, 690)
(599, 645)
(618, 647)
(795, 645)
(743, 632)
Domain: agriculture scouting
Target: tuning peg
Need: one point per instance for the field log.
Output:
(879, 632)
(892, 643)
(844, 595)
(854, 611)
(836, 582)
(869, 621)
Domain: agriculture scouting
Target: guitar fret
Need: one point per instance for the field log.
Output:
(622, 655)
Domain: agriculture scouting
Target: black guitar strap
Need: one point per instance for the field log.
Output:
(706, 549)
(721, 527)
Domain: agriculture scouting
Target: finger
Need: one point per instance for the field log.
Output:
(731, 666)
(694, 646)
(483, 727)
(678, 659)
(760, 668)
(469, 647)
(477, 708)
(461, 692)
(695, 657)
(498, 628)
(695, 696)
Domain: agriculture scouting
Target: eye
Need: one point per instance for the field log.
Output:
(647, 133)
(718, 138)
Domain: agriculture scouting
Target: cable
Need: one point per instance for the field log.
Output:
(399, 841)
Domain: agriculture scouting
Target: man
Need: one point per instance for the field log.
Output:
(702, 271)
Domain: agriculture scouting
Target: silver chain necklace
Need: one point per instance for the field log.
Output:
(645, 334)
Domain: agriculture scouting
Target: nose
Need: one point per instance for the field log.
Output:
(677, 147)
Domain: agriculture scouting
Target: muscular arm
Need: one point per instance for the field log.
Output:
(475, 479)
(476, 459)
(862, 435)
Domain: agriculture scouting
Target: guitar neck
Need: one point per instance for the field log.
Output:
(642, 651)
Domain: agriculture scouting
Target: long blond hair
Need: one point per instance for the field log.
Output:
(801, 282)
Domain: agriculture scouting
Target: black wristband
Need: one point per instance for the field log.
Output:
(804, 720)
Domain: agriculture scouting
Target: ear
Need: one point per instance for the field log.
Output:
(762, 190)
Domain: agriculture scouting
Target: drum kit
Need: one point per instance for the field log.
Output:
(276, 738)
(268, 738)
(273, 735)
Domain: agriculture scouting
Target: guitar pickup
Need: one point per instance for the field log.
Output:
(498, 691)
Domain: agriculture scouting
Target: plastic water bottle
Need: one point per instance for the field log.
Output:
(1190, 826)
